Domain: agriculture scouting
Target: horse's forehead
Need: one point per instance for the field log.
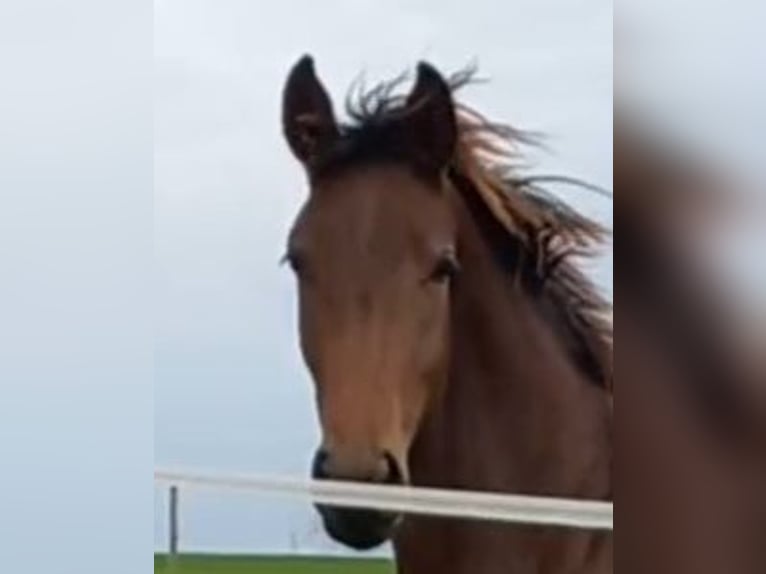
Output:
(375, 202)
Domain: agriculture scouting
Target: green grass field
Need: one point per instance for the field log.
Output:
(193, 564)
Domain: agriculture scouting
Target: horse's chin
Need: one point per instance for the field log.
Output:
(358, 529)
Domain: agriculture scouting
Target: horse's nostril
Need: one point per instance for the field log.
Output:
(319, 465)
(383, 469)
(394, 473)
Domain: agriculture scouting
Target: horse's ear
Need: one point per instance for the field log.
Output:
(431, 124)
(308, 121)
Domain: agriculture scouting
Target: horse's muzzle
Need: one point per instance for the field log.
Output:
(361, 529)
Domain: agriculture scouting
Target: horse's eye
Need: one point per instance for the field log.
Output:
(445, 269)
(295, 260)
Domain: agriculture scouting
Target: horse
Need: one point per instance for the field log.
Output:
(451, 337)
(692, 467)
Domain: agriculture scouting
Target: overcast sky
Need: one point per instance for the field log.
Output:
(230, 389)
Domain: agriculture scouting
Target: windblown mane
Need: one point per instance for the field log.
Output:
(550, 234)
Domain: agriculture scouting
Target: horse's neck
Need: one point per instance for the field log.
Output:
(516, 415)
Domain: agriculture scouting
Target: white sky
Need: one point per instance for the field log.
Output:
(230, 389)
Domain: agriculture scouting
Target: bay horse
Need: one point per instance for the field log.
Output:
(452, 340)
(692, 462)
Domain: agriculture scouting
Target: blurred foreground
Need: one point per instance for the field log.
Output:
(691, 206)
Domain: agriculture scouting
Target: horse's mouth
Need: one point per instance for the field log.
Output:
(356, 528)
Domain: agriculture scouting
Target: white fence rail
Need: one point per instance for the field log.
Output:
(586, 514)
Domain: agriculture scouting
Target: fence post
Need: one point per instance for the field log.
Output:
(173, 521)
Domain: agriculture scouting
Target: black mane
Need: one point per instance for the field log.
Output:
(546, 232)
